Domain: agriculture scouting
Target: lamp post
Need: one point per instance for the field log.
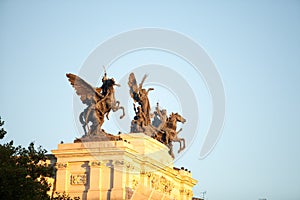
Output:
(203, 194)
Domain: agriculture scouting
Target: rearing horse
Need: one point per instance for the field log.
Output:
(95, 113)
(172, 133)
(100, 102)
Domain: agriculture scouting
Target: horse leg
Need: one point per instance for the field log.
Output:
(182, 144)
(170, 145)
(87, 118)
(116, 107)
(106, 109)
(120, 107)
(107, 115)
(179, 131)
(176, 139)
(83, 123)
(123, 112)
(182, 140)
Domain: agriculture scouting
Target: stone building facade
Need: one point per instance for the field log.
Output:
(135, 167)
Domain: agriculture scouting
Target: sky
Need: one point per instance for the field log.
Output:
(254, 45)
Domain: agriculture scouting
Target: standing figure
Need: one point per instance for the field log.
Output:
(140, 96)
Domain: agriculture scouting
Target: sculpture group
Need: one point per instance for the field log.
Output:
(101, 100)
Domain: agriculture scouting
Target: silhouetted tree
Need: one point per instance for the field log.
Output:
(23, 171)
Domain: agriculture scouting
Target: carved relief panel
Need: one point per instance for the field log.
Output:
(78, 179)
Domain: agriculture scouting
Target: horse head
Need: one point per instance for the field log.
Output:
(178, 117)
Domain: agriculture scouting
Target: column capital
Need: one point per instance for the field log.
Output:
(61, 165)
(95, 163)
(118, 162)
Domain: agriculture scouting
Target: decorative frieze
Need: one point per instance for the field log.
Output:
(166, 186)
(160, 183)
(186, 192)
(135, 182)
(155, 181)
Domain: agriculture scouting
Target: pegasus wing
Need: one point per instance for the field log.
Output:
(86, 92)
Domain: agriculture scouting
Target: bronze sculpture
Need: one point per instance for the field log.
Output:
(162, 128)
(142, 119)
(167, 129)
(99, 100)
(140, 95)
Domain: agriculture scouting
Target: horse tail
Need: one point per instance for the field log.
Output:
(81, 118)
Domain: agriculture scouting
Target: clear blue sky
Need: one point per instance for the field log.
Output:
(255, 46)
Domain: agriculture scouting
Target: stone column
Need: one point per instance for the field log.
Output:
(143, 177)
(105, 181)
(94, 179)
(118, 191)
(62, 177)
(131, 180)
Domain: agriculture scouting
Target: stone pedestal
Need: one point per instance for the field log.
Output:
(136, 167)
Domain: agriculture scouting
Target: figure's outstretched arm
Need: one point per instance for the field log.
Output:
(149, 90)
(142, 82)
